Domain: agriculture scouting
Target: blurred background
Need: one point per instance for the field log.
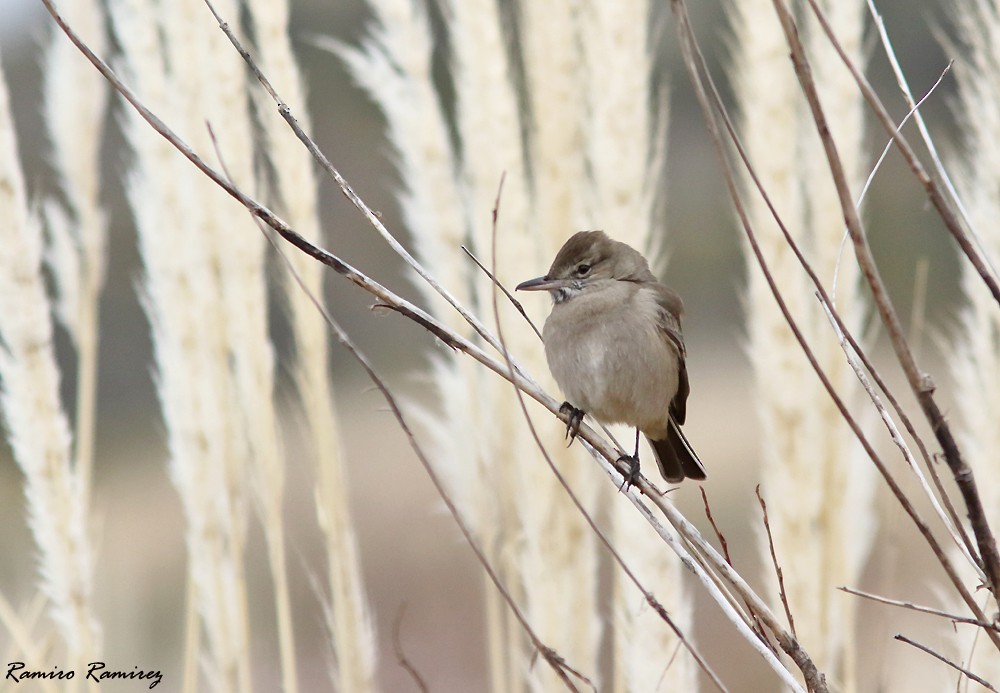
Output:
(421, 578)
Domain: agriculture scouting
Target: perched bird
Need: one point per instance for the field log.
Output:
(614, 345)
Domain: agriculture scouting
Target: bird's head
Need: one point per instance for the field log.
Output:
(587, 261)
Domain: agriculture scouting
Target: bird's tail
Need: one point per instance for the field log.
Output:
(675, 456)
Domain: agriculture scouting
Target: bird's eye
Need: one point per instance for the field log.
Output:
(582, 270)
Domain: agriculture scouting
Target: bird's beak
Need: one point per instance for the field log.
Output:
(540, 284)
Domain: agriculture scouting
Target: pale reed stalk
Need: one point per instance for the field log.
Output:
(244, 308)
(350, 621)
(624, 136)
(190, 299)
(37, 427)
(976, 362)
(74, 109)
(825, 519)
(558, 555)
(393, 65)
(488, 124)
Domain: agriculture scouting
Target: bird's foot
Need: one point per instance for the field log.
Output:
(633, 471)
(574, 417)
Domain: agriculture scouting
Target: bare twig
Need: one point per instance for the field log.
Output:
(497, 283)
(920, 382)
(914, 110)
(950, 521)
(930, 186)
(922, 609)
(757, 626)
(718, 532)
(707, 553)
(941, 657)
(904, 87)
(774, 561)
(397, 647)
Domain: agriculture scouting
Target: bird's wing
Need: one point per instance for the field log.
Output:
(669, 320)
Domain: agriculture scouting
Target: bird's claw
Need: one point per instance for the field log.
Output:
(633, 471)
(574, 417)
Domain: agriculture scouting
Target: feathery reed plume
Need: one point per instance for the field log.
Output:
(624, 135)
(559, 557)
(976, 362)
(33, 414)
(445, 204)
(206, 303)
(75, 105)
(487, 121)
(810, 459)
(350, 622)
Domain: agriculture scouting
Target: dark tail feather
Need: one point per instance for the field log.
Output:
(675, 457)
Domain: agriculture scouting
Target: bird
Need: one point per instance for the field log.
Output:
(614, 345)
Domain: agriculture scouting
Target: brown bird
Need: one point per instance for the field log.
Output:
(614, 345)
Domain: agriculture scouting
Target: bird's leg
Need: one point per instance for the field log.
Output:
(633, 465)
(574, 417)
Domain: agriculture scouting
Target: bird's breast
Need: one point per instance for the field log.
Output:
(609, 358)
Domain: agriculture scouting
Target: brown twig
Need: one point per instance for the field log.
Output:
(922, 609)
(718, 532)
(757, 625)
(941, 657)
(774, 561)
(934, 195)
(397, 647)
(920, 382)
(497, 283)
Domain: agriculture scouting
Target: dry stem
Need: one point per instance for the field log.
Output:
(920, 382)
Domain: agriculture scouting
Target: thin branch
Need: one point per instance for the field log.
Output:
(914, 110)
(774, 561)
(757, 626)
(878, 164)
(904, 87)
(920, 382)
(497, 283)
(941, 657)
(397, 647)
(843, 332)
(718, 532)
(707, 553)
(922, 609)
(930, 186)
(950, 521)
